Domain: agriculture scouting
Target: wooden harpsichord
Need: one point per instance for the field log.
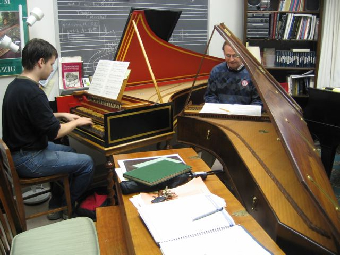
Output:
(271, 164)
(170, 64)
(118, 122)
(140, 114)
(174, 67)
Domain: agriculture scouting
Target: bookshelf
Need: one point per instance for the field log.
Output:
(288, 33)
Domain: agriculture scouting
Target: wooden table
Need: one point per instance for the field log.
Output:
(137, 237)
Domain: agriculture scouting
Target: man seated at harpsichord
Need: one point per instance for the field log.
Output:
(230, 83)
(30, 127)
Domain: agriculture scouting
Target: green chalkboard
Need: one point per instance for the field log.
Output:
(93, 29)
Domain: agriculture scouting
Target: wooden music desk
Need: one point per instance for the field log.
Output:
(138, 239)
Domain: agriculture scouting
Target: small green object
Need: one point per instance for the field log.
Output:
(157, 172)
(263, 131)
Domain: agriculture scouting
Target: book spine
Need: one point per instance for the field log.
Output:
(258, 15)
(258, 25)
(258, 20)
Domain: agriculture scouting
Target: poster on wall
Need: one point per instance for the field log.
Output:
(10, 62)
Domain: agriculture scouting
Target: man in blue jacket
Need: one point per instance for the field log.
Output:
(230, 83)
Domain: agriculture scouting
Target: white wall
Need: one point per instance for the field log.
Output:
(228, 11)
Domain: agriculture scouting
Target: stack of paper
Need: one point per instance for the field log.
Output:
(232, 109)
(195, 223)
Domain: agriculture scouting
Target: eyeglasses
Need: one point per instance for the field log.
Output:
(232, 56)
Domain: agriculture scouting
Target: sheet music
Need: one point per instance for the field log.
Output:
(232, 109)
(234, 240)
(175, 218)
(108, 78)
(173, 227)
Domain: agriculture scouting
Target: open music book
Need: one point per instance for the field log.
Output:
(196, 224)
(232, 109)
(109, 79)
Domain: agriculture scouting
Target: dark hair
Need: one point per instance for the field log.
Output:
(36, 49)
(225, 43)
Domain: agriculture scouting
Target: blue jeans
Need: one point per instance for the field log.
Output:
(56, 159)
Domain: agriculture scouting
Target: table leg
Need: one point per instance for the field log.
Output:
(110, 166)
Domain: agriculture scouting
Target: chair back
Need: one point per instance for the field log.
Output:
(10, 222)
(12, 178)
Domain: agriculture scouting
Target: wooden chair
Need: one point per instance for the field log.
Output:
(68, 237)
(18, 183)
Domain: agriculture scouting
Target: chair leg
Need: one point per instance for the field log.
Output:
(21, 209)
(68, 197)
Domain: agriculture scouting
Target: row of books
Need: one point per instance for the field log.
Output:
(298, 85)
(286, 26)
(294, 26)
(299, 27)
(290, 58)
(291, 5)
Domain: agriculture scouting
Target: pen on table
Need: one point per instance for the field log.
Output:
(224, 109)
(208, 214)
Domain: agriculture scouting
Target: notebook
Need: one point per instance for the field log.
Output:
(173, 226)
(157, 172)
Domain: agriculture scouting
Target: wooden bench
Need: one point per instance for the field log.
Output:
(110, 231)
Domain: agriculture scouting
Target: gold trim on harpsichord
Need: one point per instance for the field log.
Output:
(333, 202)
(262, 70)
(160, 41)
(112, 103)
(184, 91)
(96, 107)
(130, 102)
(126, 45)
(122, 89)
(168, 107)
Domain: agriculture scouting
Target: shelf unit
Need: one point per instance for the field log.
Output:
(280, 73)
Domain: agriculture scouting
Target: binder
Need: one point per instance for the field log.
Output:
(174, 229)
(157, 172)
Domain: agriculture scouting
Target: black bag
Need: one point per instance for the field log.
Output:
(90, 200)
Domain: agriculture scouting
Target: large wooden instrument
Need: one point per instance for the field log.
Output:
(271, 164)
(140, 113)
(175, 69)
(118, 122)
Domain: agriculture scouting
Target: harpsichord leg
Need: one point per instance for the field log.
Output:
(110, 166)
